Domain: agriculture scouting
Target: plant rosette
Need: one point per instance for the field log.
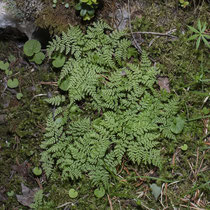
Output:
(73, 193)
(87, 8)
(4, 66)
(184, 147)
(32, 49)
(58, 60)
(37, 171)
(12, 83)
(199, 34)
(19, 96)
(100, 192)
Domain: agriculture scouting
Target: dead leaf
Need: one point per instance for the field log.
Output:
(163, 82)
(2, 197)
(22, 169)
(27, 197)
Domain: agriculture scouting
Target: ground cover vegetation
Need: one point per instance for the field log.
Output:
(109, 119)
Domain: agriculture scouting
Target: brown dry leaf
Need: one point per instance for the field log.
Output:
(3, 198)
(163, 82)
(27, 197)
(22, 169)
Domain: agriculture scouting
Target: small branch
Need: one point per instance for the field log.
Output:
(39, 183)
(129, 21)
(49, 83)
(104, 77)
(153, 40)
(39, 95)
(168, 33)
(65, 204)
(135, 43)
(110, 202)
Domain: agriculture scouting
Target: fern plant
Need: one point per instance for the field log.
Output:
(112, 110)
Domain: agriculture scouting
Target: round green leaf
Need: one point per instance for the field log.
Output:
(87, 17)
(73, 109)
(73, 193)
(54, 1)
(38, 57)
(138, 202)
(19, 96)
(11, 193)
(178, 125)
(4, 66)
(12, 83)
(91, 12)
(31, 47)
(155, 190)
(12, 58)
(64, 85)
(37, 171)
(67, 5)
(99, 193)
(78, 6)
(83, 12)
(8, 72)
(205, 110)
(58, 61)
(184, 147)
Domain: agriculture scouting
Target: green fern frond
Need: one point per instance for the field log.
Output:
(56, 100)
(114, 110)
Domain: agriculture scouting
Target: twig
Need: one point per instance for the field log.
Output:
(49, 83)
(197, 158)
(191, 207)
(129, 21)
(119, 204)
(168, 33)
(145, 206)
(110, 202)
(104, 77)
(175, 182)
(191, 167)
(65, 204)
(161, 197)
(135, 43)
(39, 183)
(38, 96)
(153, 40)
(166, 197)
(174, 159)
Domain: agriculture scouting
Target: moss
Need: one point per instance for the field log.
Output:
(21, 136)
(21, 133)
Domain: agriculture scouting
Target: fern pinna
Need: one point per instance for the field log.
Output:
(112, 110)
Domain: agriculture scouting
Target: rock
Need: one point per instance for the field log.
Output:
(19, 18)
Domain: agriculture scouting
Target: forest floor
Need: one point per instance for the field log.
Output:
(160, 28)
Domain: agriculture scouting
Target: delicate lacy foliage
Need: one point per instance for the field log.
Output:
(119, 114)
(56, 100)
(38, 200)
